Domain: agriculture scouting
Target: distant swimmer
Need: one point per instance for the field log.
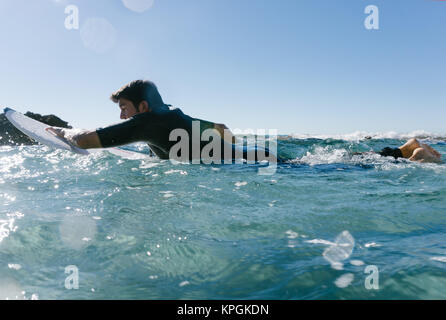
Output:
(414, 151)
(149, 119)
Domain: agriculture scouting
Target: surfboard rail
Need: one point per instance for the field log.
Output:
(39, 131)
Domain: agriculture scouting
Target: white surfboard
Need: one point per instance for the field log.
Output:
(38, 131)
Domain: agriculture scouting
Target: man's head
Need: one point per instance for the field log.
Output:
(136, 97)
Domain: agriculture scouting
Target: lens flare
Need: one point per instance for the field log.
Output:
(98, 35)
(138, 5)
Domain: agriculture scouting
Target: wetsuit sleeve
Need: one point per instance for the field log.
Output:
(129, 131)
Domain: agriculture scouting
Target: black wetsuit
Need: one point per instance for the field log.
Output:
(154, 128)
(391, 152)
(386, 152)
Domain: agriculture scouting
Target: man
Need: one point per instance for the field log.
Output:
(414, 151)
(148, 118)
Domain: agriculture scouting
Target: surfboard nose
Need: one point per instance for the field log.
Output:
(7, 109)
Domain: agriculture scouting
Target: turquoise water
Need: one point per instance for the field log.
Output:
(149, 229)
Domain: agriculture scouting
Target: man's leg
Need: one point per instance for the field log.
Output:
(409, 148)
(424, 155)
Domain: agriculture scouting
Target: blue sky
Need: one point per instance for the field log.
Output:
(299, 66)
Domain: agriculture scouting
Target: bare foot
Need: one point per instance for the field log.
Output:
(432, 150)
(424, 155)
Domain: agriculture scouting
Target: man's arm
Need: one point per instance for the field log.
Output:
(137, 128)
(88, 140)
(84, 140)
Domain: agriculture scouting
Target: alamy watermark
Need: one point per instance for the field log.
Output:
(372, 280)
(72, 281)
(72, 20)
(371, 22)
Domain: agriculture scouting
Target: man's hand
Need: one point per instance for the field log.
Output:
(60, 132)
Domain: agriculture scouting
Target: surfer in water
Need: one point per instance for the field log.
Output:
(149, 119)
(412, 150)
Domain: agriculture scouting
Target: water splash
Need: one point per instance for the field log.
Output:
(363, 135)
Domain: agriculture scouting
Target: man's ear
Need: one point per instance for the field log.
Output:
(144, 107)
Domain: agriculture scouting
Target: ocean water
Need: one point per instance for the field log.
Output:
(325, 225)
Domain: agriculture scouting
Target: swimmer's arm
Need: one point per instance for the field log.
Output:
(84, 140)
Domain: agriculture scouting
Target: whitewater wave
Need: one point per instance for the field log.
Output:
(332, 156)
(363, 135)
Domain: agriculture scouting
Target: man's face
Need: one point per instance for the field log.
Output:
(127, 108)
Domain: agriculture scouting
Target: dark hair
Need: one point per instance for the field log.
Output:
(138, 91)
